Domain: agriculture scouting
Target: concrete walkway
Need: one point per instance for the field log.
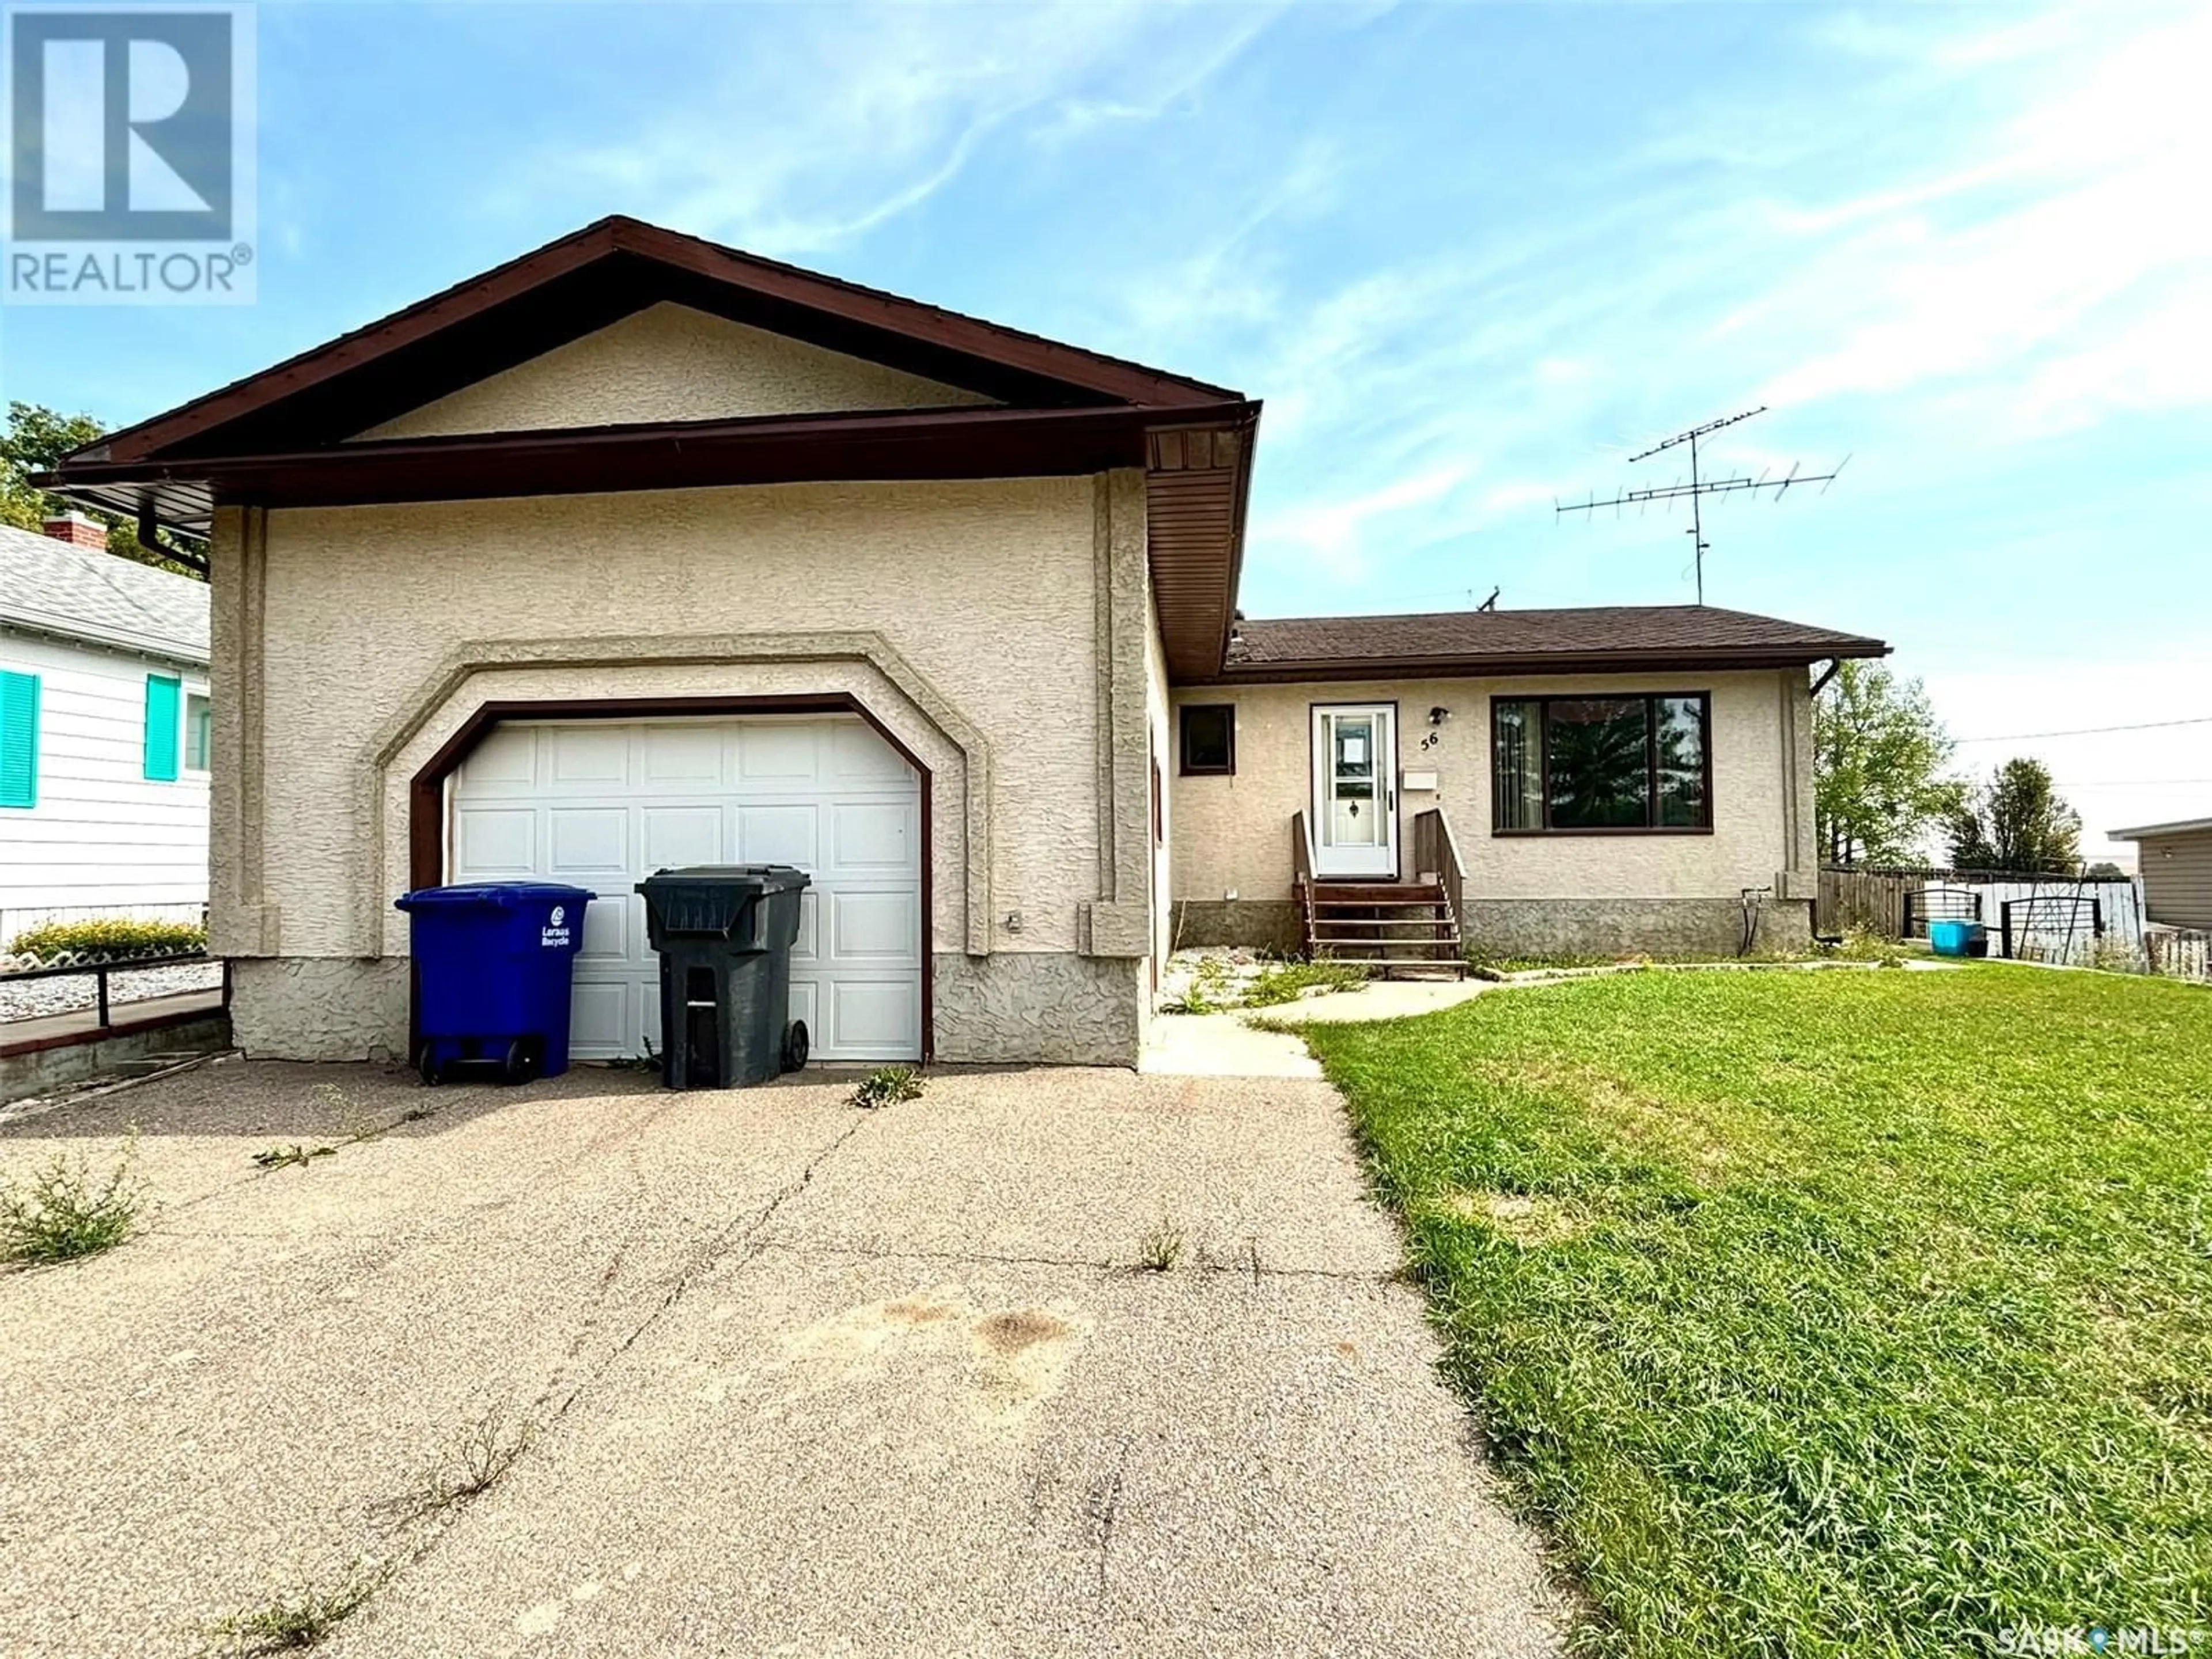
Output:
(1230, 1045)
(803, 1379)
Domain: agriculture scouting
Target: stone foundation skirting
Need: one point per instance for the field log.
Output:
(1653, 926)
(1269, 923)
(1534, 928)
(1015, 1007)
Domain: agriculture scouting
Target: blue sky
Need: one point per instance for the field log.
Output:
(1471, 256)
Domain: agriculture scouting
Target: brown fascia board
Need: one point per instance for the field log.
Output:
(944, 338)
(962, 443)
(1247, 456)
(351, 349)
(1530, 663)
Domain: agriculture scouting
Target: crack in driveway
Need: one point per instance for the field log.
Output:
(702, 1258)
(1250, 1268)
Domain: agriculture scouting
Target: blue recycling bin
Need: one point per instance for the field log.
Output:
(1957, 938)
(493, 961)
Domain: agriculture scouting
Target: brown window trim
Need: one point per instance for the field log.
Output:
(1705, 700)
(1184, 768)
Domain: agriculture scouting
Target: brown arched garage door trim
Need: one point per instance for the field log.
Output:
(426, 796)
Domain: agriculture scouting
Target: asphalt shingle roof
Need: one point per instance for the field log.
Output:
(79, 593)
(1687, 631)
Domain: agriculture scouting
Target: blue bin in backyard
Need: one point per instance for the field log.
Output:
(1957, 938)
(493, 963)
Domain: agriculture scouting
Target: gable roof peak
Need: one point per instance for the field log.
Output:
(591, 277)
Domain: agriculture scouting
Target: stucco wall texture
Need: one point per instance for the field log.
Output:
(1232, 834)
(986, 590)
(669, 362)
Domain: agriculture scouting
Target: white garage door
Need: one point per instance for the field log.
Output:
(605, 804)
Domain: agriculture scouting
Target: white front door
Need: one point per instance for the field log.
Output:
(1355, 790)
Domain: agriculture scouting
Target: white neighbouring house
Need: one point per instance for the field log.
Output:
(104, 731)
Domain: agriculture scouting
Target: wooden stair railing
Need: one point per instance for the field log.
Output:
(1435, 854)
(1384, 925)
(1302, 879)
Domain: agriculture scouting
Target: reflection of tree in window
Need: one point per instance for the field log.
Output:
(1599, 762)
(1680, 736)
(1634, 763)
(1517, 738)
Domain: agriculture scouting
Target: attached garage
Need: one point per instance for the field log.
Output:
(604, 803)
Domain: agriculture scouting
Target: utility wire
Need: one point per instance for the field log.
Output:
(2089, 730)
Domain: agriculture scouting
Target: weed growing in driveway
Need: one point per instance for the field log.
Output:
(1193, 1000)
(1208, 991)
(647, 1061)
(1161, 1248)
(297, 1617)
(887, 1086)
(282, 1158)
(65, 1211)
(1213, 989)
(484, 1452)
(1286, 982)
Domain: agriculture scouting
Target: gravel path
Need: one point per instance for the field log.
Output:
(34, 999)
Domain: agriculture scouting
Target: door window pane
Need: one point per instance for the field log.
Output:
(1355, 757)
(1354, 816)
(1598, 760)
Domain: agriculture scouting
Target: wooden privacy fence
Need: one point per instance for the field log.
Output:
(2178, 952)
(2030, 918)
(2042, 918)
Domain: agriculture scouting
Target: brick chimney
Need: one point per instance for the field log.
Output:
(78, 531)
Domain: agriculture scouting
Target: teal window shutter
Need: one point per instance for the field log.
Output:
(163, 694)
(18, 738)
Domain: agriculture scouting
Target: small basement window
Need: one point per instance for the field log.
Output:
(1209, 739)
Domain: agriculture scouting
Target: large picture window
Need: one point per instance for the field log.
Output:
(1597, 764)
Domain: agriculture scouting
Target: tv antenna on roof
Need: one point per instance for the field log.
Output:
(1699, 488)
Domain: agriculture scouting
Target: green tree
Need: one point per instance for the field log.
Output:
(1879, 753)
(36, 438)
(2017, 821)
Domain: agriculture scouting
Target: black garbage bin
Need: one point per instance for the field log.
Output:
(725, 933)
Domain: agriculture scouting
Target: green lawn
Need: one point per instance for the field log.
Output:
(1857, 1312)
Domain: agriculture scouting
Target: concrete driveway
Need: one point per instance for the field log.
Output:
(803, 1379)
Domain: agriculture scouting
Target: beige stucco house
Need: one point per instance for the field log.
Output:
(640, 551)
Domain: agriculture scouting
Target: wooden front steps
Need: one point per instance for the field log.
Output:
(1383, 926)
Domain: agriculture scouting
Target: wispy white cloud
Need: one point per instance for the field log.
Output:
(1334, 531)
(807, 137)
(2023, 265)
(2055, 266)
